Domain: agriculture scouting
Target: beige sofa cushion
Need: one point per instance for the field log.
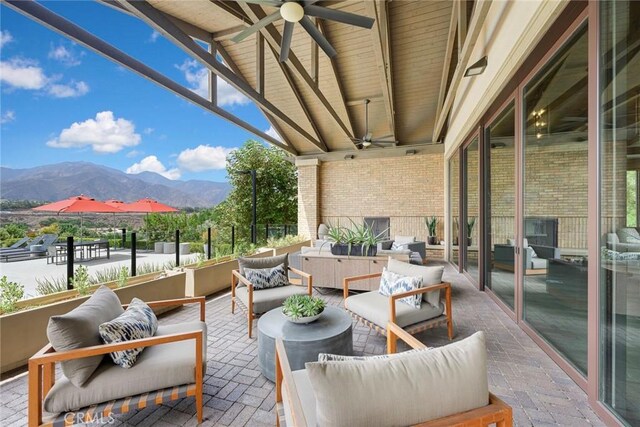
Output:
(401, 391)
(430, 276)
(266, 262)
(268, 299)
(157, 367)
(79, 328)
(404, 239)
(375, 308)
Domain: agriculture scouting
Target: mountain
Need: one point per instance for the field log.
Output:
(61, 180)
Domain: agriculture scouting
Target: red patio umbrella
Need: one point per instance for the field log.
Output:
(115, 203)
(148, 206)
(78, 204)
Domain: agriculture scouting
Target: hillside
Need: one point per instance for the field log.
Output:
(62, 180)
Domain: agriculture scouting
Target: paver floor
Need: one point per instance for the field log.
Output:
(236, 393)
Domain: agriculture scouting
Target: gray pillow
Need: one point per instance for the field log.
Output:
(137, 322)
(79, 328)
(264, 278)
(430, 276)
(629, 235)
(266, 262)
(406, 389)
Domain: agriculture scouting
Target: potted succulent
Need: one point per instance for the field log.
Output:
(471, 222)
(302, 308)
(432, 225)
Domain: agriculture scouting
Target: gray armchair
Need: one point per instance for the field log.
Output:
(536, 257)
(409, 246)
(616, 243)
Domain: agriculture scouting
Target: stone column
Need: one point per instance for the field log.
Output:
(308, 197)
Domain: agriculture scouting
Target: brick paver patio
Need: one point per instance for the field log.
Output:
(236, 393)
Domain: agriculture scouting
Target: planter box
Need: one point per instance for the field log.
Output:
(25, 332)
(292, 248)
(158, 247)
(169, 248)
(212, 277)
(185, 248)
(356, 250)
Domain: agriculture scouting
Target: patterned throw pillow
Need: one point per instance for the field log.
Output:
(138, 321)
(328, 357)
(629, 235)
(392, 283)
(265, 278)
(395, 246)
(608, 254)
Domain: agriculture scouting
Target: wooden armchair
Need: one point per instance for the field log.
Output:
(300, 407)
(42, 373)
(256, 302)
(375, 310)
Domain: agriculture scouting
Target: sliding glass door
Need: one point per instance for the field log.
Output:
(500, 203)
(470, 222)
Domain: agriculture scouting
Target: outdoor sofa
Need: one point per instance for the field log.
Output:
(536, 257)
(416, 250)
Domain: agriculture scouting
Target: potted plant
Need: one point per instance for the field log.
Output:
(456, 229)
(302, 308)
(471, 222)
(359, 240)
(432, 225)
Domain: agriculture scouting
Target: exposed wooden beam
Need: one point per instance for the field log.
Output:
(61, 25)
(213, 78)
(234, 67)
(158, 20)
(260, 64)
(451, 41)
(274, 38)
(462, 24)
(315, 59)
(480, 13)
(380, 34)
(228, 33)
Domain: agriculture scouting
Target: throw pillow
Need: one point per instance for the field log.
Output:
(629, 235)
(395, 246)
(264, 278)
(608, 254)
(137, 322)
(264, 262)
(392, 283)
(79, 328)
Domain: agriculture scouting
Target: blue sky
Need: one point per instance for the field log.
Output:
(62, 102)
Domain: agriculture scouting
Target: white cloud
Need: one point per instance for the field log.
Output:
(67, 56)
(273, 133)
(152, 164)
(198, 79)
(7, 116)
(204, 157)
(5, 38)
(134, 153)
(148, 131)
(154, 36)
(105, 134)
(22, 74)
(71, 90)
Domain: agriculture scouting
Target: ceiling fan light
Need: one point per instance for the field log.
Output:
(291, 11)
(366, 143)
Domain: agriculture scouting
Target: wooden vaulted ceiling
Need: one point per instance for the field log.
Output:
(398, 65)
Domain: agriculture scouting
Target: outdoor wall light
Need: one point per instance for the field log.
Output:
(477, 68)
(291, 11)
(410, 152)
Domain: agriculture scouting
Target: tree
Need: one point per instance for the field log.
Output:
(276, 187)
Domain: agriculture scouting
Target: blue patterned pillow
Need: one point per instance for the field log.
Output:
(392, 283)
(265, 278)
(395, 246)
(138, 321)
(608, 254)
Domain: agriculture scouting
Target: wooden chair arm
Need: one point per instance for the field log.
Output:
(347, 280)
(241, 278)
(97, 350)
(306, 276)
(284, 376)
(424, 290)
(178, 301)
(496, 412)
(393, 330)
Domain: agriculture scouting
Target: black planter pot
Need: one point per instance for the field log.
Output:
(356, 250)
(433, 240)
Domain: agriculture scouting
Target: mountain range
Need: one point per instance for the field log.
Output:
(62, 180)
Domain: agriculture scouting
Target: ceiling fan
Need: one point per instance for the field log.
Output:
(293, 11)
(367, 140)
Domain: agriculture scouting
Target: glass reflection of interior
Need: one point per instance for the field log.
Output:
(501, 205)
(554, 244)
(470, 224)
(454, 192)
(619, 204)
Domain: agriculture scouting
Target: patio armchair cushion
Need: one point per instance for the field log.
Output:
(158, 367)
(430, 276)
(267, 299)
(629, 235)
(404, 239)
(375, 308)
(138, 321)
(264, 278)
(79, 328)
(266, 262)
(406, 389)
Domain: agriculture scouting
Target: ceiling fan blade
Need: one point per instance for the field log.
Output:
(286, 41)
(273, 3)
(383, 144)
(368, 136)
(339, 16)
(377, 141)
(309, 2)
(256, 27)
(385, 137)
(318, 37)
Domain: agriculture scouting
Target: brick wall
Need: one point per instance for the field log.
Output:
(308, 199)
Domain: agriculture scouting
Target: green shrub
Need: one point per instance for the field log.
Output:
(10, 294)
(123, 277)
(81, 281)
(285, 241)
(297, 306)
(48, 286)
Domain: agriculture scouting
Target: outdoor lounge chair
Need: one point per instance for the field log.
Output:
(444, 386)
(257, 302)
(171, 367)
(22, 243)
(376, 310)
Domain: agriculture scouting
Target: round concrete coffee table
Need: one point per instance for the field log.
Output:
(331, 333)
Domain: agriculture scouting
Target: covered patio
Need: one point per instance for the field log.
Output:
(237, 394)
